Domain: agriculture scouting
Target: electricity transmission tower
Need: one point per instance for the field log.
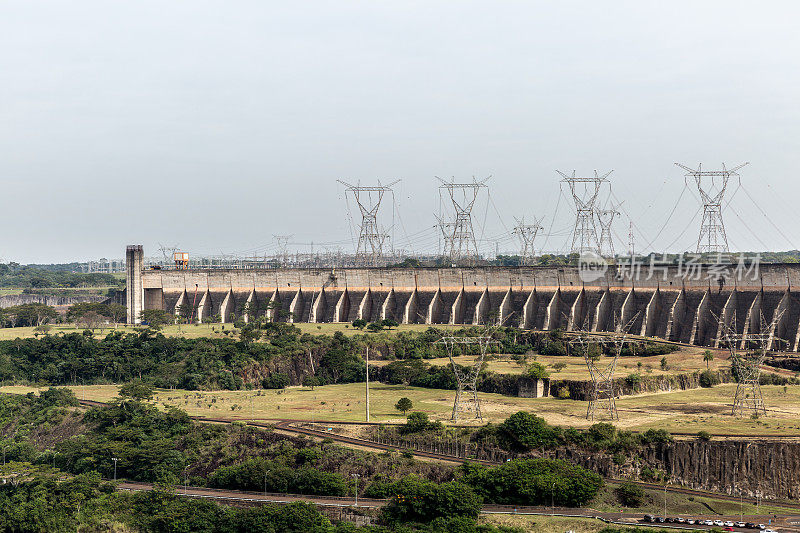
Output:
(370, 238)
(467, 380)
(603, 396)
(168, 252)
(463, 196)
(606, 218)
(527, 234)
(712, 185)
(584, 192)
(747, 365)
(283, 244)
(447, 233)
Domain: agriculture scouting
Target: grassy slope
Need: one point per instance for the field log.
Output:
(686, 411)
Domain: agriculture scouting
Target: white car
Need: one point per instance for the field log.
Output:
(770, 531)
(740, 524)
(719, 523)
(728, 524)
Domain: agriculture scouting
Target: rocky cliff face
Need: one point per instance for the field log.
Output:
(55, 301)
(741, 466)
(580, 390)
(734, 466)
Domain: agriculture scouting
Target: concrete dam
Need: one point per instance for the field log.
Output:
(694, 305)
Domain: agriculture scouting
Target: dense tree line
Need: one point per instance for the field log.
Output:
(18, 276)
(175, 361)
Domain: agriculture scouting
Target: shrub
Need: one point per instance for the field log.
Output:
(417, 422)
(276, 380)
(537, 371)
(630, 495)
(524, 431)
(704, 435)
(563, 393)
(533, 482)
(416, 500)
(708, 378)
(633, 380)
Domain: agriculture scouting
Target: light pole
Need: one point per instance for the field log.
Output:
(115, 468)
(356, 476)
(553, 499)
(665, 499)
(265, 483)
(367, 366)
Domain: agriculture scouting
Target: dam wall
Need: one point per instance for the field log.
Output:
(673, 302)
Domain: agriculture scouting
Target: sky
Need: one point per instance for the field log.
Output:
(215, 125)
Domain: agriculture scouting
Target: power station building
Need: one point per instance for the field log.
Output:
(690, 305)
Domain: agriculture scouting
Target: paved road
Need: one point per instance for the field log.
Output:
(234, 496)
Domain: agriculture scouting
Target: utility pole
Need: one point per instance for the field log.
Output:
(370, 238)
(463, 196)
(356, 476)
(367, 383)
(712, 185)
(115, 468)
(585, 191)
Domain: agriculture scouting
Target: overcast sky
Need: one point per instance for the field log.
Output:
(214, 125)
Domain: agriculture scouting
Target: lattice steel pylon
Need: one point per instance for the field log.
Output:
(370, 238)
(584, 192)
(463, 196)
(467, 381)
(527, 234)
(712, 185)
(606, 218)
(603, 396)
(747, 365)
(283, 247)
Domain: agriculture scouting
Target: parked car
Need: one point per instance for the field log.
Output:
(649, 518)
(729, 523)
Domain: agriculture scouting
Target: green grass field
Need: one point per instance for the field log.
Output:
(681, 411)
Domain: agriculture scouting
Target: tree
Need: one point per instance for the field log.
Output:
(389, 323)
(136, 390)
(631, 495)
(558, 367)
(417, 500)
(707, 358)
(359, 323)
(664, 365)
(375, 327)
(311, 381)
(537, 371)
(404, 404)
(156, 318)
(524, 431)
(116, 312)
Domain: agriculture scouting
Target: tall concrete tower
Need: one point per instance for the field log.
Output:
(134, 293)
